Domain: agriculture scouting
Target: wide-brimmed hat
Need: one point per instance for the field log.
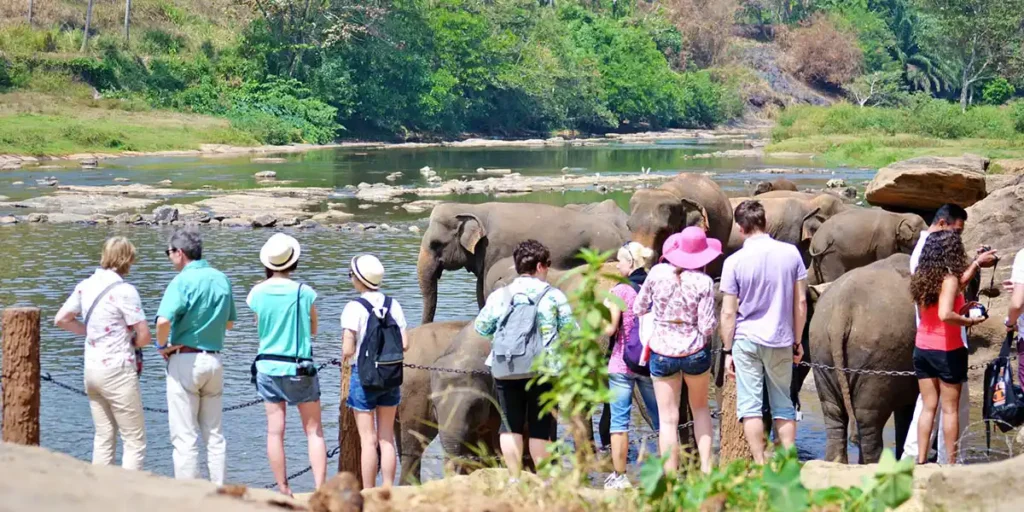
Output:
(280, 252)
(368, 270)
(691, 249)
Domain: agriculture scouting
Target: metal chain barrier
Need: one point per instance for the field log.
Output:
(330, 455)
(446, 370)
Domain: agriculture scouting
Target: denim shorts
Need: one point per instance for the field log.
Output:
(292, 389)
(755, 365)
(621, 385)
(362, 400)
(697, 363)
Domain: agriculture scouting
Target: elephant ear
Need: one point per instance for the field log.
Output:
(817, 290)
(905, 234)
(810, 224)
(704, 223)
(471, 231)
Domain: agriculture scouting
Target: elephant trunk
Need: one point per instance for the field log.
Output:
(428, 271)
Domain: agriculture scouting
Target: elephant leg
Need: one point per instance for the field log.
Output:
(870, 423)
(902, 419)
(480, 299)
(605, 426)
(836, 418)
(414, 436)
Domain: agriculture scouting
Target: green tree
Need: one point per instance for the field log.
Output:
(980, 36)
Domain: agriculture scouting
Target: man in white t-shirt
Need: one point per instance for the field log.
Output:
(949, 217)
(374, 409)
(1014, 319)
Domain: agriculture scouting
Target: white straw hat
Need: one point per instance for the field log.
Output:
(368, 270)
(280, 252)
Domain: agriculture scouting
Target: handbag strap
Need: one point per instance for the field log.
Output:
(99, 297)
(298, 324)
(1005, 351)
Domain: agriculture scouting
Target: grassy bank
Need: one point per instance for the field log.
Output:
(849, 135)
(38, 124)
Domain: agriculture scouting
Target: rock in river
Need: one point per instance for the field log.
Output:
(926, 183)
(8, 220)
(165, 214)
(264, 221)
(37, 217)
(332, 217)
(236, 222)
(265, 175)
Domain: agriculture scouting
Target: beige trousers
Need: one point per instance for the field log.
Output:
(116, 406)
(195, 389)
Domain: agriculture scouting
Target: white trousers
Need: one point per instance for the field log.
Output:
(116, 406)
(195, 388)
(911, 447)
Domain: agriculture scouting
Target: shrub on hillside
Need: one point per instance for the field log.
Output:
(705, 26)
(290, 105)
(820, 53)
(5, 75)
(998, 91)
(1017, 114)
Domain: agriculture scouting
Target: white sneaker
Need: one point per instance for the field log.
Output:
(616, 481)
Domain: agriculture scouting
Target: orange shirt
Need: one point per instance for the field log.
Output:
(934, 334)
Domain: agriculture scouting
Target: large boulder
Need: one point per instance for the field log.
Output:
(926, 183)
(998, 220)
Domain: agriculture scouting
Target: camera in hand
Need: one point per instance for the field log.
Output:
(305, 369)
(977, 310)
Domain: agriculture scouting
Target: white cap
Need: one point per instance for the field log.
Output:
(368, 270)
(280, 252)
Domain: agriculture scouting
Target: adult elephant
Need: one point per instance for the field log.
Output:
(415, 420)
(865, 321)
(788, 220)
(608, 208)
(855, 238)
(687, 200)
(828, 204)
(475, 236)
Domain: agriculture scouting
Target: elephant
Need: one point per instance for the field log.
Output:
(865, 320)
(857, 237)
(686, 200)
(828, 203)
(788, 220)
(415, 419)
(475, 236)
(609, 208)
(774, 185)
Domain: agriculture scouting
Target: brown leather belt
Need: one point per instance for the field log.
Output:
(189, 350)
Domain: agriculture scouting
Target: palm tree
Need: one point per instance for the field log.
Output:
(922, 69)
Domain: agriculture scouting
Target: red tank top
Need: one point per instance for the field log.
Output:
(934, 334)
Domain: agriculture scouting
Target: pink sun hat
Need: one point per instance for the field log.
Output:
(691, 249)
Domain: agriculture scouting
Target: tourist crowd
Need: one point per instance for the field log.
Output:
(661, 328)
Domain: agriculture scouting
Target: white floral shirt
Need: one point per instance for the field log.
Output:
(108, 337)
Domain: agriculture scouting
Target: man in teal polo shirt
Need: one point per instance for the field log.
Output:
(196, 311)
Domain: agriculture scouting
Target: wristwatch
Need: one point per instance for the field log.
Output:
(727, 352)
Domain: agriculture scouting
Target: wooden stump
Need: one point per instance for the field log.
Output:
(20, 375)
(733, 443)
(348, 434)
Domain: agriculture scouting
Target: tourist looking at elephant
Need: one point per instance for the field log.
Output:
(949, 217)
(632, 261)
(520, 403)
(286, 322)
(1014, 320)
(764, 308)
(113, 326)
(940, 356)
(195, 313)
(682, 298)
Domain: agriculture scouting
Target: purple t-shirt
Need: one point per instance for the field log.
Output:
(617, 364)
(761, 275)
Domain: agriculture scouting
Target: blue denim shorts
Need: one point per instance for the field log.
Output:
(697, 363)
(621, 385)
(362, 400)
(292, 389)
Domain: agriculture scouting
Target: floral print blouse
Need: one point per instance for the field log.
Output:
(684, 309)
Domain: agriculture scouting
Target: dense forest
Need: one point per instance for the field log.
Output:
(316, 70)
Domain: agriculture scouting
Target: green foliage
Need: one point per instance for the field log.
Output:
(997, 91)
(5, 75)
(287, 111)
(776, 486)
(156, 41)
(1017, 114)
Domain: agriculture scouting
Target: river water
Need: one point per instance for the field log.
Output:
(44, 262)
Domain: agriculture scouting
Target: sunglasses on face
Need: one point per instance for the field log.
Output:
(167, 252)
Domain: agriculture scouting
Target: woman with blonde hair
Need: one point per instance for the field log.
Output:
(113, 325)
(632, 262)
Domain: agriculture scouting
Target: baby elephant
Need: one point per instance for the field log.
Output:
(857, 237)
(764, 187)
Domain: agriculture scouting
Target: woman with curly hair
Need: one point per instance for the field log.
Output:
(940, 357)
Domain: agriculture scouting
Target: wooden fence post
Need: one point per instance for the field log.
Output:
(348, 434)
(20, 375)
(733, 443)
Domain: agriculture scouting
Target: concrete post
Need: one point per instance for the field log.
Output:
(20, 375)
(348, 434)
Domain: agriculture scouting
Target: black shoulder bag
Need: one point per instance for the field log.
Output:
(304, 367)
(1003, 402)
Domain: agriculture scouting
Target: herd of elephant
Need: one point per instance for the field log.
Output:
(860, 314)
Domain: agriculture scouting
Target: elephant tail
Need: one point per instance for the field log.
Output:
(838, 336)
(816, 261)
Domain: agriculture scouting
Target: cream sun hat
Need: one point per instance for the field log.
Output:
(280, 252)
(368, 270)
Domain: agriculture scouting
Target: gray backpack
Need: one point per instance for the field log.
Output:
(517, 341)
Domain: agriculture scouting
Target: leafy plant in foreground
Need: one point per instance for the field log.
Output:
(776, 486)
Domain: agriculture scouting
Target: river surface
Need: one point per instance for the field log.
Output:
(43, 263)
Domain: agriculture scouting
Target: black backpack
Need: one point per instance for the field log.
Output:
(1003, 403)
(381, 356)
